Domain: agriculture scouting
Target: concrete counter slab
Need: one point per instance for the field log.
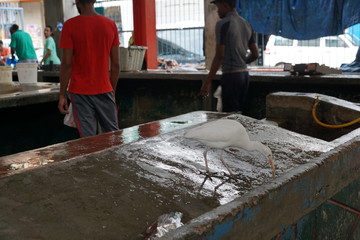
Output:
(48, 91)
(21, 95)
(114, 186)
(257, 75)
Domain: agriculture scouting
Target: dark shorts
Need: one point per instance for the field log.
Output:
(234, 91)
(93, 111)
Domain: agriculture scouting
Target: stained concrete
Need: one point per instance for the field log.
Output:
(115, 185)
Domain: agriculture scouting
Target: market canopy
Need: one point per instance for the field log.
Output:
(300, 19)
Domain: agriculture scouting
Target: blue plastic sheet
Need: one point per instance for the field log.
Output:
(354, 32)
(354, 66)
(300, 19)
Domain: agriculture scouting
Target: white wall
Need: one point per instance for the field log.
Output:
(69, 9)
(34, 21)
(211, 17)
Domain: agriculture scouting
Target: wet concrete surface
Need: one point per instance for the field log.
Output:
(181, 157)
(79, 147)
(115, 185)
(47, 181)
(97, 198)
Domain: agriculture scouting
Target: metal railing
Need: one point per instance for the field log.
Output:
(182, 45)
(180, 30)
(180, 26)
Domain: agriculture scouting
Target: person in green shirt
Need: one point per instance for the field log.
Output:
(49, 48)
(22, 45)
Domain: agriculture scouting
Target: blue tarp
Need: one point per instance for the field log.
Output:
(354, 32)
(354, 66)
(300, 19)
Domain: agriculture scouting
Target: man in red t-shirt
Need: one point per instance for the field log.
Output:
(4, 53)
(88, 42)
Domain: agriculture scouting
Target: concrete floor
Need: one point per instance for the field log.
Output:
(115, 185)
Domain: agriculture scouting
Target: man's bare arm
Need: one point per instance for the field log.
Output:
(65, 73)
(215, 65)
(114, 66)
(254, 53)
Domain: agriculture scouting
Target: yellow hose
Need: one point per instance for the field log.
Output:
(317, 102)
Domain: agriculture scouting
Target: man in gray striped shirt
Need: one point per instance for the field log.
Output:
(234, 37)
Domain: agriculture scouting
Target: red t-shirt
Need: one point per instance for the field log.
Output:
(91, 38)
(5, 53)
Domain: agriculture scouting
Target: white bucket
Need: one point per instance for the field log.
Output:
(27, 72)
(6, 75)
(132, 58)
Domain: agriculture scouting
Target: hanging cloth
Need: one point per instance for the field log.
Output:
(300, 19)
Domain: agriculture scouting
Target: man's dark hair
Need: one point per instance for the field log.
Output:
(1, 42)
(48, 26)
(87, 1)
(231, 3)
(51, 29)
(14, 27)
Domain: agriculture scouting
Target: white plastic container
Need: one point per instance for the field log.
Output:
(132, 58)
(27, 72)
(6, 75)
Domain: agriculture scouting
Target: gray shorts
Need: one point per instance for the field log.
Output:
(91, 111)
